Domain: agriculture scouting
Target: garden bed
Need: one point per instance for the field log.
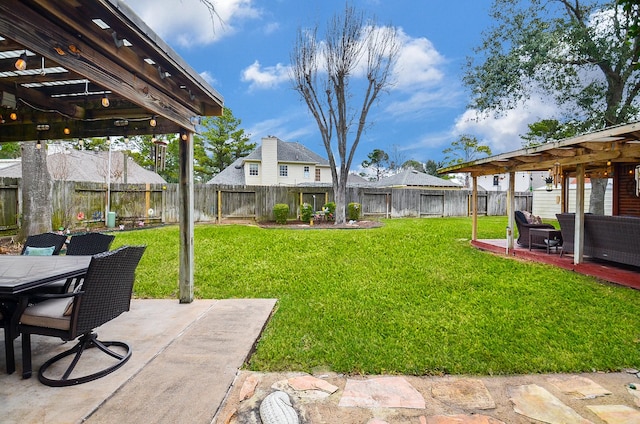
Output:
(321, 225)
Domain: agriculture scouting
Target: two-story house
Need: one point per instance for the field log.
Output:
(277, 162)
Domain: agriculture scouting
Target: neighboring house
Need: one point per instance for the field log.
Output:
(90, 166)
(277, 162)
(415, 179)
(524, 181)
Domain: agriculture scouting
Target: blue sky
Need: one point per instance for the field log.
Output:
(245, 57)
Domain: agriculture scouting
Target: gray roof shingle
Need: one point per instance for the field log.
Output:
(414, 178)
(88, 166)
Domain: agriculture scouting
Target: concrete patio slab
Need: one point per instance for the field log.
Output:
(178, 350)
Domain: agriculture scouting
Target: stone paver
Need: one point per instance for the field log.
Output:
(385, 392)
(536, 402)
(580, 387)
(616, 414)
(465, 393)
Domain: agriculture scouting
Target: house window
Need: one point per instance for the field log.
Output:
(317, 174)
(284, 171)
(306, 172)
(253, 169)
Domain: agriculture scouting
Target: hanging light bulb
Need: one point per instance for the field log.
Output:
(38, 145)
(153, 121)
(66, 131)
(13, 116)
(105, 101)
(21, 63)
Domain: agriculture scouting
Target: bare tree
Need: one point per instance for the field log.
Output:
(325, 72)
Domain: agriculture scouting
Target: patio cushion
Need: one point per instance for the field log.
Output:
(49, 313)
(39, 251)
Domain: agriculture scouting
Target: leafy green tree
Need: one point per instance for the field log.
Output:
(414, 165)
(378, 161)
(225, 141)
(10, 150)
(465, 149)
(548, 129)
(579, 53)
(325, 74)
(431, 167)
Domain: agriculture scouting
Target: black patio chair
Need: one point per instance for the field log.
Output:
(89, 243)
(43, 241)
(104, 294)
(81, 244)
(524, 227)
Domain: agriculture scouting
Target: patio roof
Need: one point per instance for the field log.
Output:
(596, 151)
(75, 53)
(78, 52)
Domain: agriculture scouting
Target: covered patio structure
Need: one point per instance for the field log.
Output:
(74, 70)
(609, 153)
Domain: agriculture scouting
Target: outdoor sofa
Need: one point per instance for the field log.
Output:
(612, 238)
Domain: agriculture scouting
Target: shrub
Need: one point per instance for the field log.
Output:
(330, 210)
(281, 212)
(353, 211)
(306, 212)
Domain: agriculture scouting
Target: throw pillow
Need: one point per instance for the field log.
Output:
(39, 251)
(528, 217)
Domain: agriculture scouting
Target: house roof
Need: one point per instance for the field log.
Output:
(413, 178)
(88, 166)
(290, 151)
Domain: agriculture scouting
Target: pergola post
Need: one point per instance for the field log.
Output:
(186, 217)
(511, 207)
(474, 208)
(578, 241)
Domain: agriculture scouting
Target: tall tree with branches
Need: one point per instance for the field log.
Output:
(326, 75)
(581, 54)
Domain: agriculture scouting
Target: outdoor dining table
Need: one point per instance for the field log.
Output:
(20, 276)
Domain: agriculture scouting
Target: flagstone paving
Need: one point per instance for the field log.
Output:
(593, 398)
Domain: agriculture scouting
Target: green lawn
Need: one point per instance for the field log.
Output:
(411, 297)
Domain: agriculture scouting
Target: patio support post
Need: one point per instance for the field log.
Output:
(186, 216)
(578, 242)
(474, 209)
(511, 207)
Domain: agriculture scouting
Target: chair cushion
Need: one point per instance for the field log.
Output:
(49, 313)
(39, 251)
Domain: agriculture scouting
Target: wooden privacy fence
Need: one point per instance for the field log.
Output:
(79, 205)
(215, 203)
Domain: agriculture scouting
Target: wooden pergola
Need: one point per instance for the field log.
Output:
(95, 69)
(609, 153)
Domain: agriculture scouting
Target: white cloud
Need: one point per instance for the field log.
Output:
(189, 21)
(267, 77)
(503, 133)
(419, 63)
(210, 79)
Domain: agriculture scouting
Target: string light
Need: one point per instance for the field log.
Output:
(21, 63)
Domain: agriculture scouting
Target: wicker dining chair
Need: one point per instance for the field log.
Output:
(104, 294)
(80, 244)
(43, 241)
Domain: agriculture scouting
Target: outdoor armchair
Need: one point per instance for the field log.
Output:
(104, 294)
(524, 226)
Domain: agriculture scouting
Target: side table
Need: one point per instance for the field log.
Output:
(545, 237)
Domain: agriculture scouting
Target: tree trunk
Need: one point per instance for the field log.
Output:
(341, 205)
(596, 198)
(37, 208)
